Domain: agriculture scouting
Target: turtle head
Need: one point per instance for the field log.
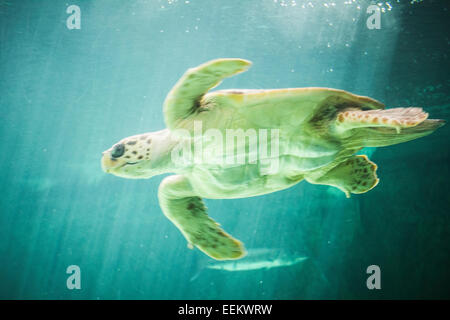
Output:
(139, 157)
(129, 158)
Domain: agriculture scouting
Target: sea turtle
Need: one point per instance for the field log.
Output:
(319, 132)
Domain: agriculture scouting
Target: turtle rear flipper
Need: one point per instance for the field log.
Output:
(396, 118)
(189, 214)
(355, 175)
(379, 128)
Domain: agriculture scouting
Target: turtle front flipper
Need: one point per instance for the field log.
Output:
(189, 214)
(355, 175)
(184, 98)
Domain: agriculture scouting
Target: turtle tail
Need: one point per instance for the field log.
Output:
(379, 128)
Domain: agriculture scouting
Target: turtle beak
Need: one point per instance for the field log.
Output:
(109, 163)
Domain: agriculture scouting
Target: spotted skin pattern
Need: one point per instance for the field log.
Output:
(395, 118)
(137, 150)
(355, 175)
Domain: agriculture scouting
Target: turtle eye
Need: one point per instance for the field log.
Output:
(118, 150)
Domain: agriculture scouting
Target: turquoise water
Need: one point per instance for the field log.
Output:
(67, 95)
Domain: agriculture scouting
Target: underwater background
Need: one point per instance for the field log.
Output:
(66, 95)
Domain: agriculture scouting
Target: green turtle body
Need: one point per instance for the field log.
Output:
(314, 131)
